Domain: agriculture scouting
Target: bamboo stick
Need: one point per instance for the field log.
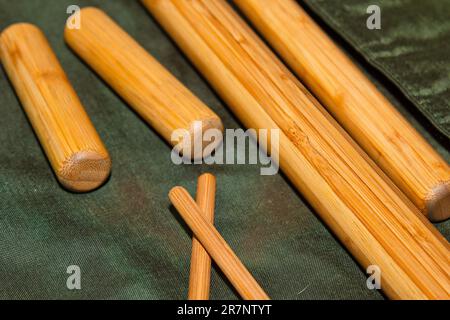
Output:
(216, 246)
(150, 89)
(70, 141)
(356, 103)
(199, 280)
(377, 224)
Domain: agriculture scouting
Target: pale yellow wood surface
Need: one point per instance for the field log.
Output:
(200, 275)
(150, 89)
(70, 141)
(218, 249)
(375, 222)
(356, 103)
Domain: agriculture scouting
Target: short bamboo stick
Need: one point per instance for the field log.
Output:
(150, 89)
(70, 141)
(356, 103)
(377, 224)
(216, 246)
(200, 276)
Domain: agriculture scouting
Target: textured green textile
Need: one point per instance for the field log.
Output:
(412, 48)
(127, 239)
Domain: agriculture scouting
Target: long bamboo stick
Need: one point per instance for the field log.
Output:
(356, 103)
(369, 215)
(200, 275)
(164, 102)
(70, 141)
(216, 246)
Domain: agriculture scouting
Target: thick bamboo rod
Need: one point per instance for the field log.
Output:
(377, 224)
(218, 249)
(200, 276)
(164, 102)
(356, 103)
(70, 141)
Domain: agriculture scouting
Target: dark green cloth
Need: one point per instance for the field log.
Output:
(412, 48)
(127, 239)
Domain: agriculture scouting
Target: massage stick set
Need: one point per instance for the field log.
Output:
(356, 104)
(364, 209)
(372, 202)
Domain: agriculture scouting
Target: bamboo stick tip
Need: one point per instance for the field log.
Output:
(18, 26)
(84, 11)
(196, 138)
(207, 124)
(438, 202)
(207, 176)
(175, 191)
(85, 171)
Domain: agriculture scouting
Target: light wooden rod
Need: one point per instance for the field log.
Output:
(200, 275)
(375, 222)
(218, 249)
(151, 90)
(70, 141)
(403, 154)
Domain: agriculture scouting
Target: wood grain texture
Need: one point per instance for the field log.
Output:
(70, 141)
(141, 80)
(200, 275)
(375, 222)
(218, 249)
(356, 103)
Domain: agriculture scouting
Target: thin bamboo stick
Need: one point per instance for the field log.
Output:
(150, 89)
(216, 246)
(356, 103)
(377, 224)
(199, 279)
(70, 141)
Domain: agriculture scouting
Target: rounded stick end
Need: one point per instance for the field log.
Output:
(206, 177)
(201, 145)
(12, 32)
(175, 196)
(85, 171)
(19, 26)
(438, 202)
(83, 12)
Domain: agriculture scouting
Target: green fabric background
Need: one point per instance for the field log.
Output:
(127, 239)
